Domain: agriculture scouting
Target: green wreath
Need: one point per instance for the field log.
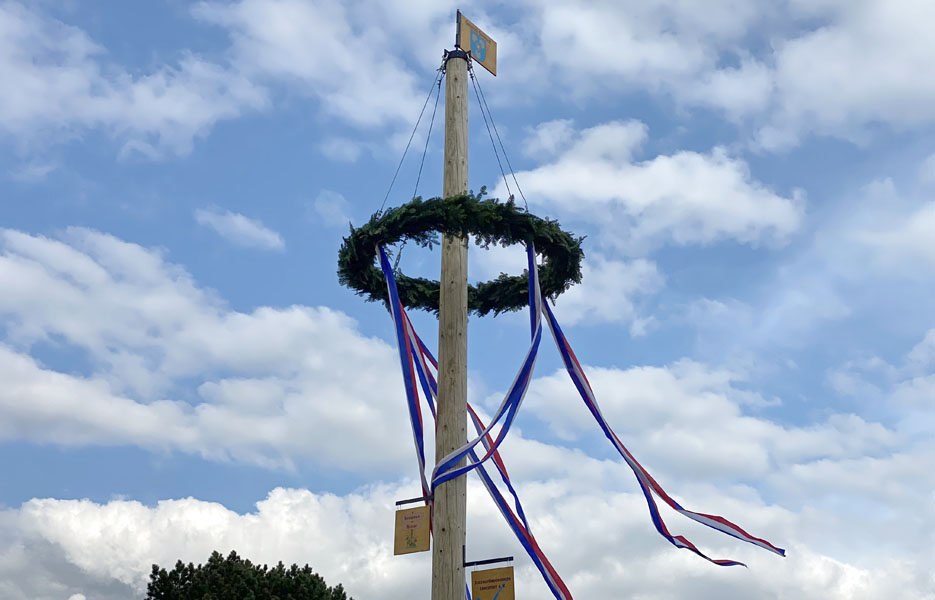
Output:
(489, 221)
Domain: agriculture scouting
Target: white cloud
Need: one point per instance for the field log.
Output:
(692, 421)
(32, 172)
(687, 197)
(846, 383)
(61, 83)
(655, 44)
(872, 55)
(269, 387)
(923, 353)
(340, 149)
(547, 139)
(687, 421)
(902, 390)
(610, 291)
(927, 170)
(58, 84)
(755, 62)
(910, 240)
(738, 91)
(867, 263)
(717, 323)
(879, 237)
(599, 539)
(326, 49)
(172, 368)
(697, 55)
(332, 208)
(240, 230)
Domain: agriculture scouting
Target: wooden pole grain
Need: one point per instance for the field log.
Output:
(450, 509)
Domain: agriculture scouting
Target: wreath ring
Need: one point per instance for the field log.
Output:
(489, 221)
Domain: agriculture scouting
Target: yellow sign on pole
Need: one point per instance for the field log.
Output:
(412, 530)
(492, 584)
(482, 48)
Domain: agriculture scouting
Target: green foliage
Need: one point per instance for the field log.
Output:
(489, 222)
(234, 578)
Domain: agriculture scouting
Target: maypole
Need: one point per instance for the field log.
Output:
(449, 512)
(458, 215)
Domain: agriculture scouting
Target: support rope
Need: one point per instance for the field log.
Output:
(437, 80)
(502, 147)
(428, 136)
(489, 133)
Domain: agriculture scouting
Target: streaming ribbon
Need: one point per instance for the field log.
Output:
(516, 521)
(415, 359)
(646, 480)
(404, 336)
(447, 467)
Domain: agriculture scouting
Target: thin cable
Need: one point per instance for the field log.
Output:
(505, 155)
(428, 136)
(438, 76)
(493, 143)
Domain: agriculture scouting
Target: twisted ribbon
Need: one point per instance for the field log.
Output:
(415, 360)
(447, 468)
(643, 477)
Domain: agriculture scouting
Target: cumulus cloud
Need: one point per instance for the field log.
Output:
(320, 47)
(32, 172)
(61, 83)
(740, 92)
(913, 238)
(58, 83)
(687, 197)
(657, 44)
(332, 209)
(687, 422)
(886, 229)
(754, 62)
(906, 385)
(266, 391)
(600, 541)
(240, 230)
(927, 170)
(695, 421)
(171, 367)
(923, 353)
(871, 54)
(340, 149)
(866, 261)
(860, 252)
(546, 139)
(610, 292)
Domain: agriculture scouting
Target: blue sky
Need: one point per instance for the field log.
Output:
(182, 371)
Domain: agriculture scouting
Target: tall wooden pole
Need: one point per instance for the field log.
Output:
(450, 509)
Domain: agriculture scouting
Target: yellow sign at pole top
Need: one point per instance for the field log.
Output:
(493, 584)
(482, 48)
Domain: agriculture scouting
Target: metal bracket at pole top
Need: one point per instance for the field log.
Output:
(456, 53)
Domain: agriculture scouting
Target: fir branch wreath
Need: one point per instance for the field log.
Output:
(489, 222)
